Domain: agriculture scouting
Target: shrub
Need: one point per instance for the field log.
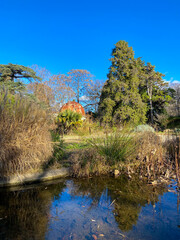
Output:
(144, 128)
(174, 122)
(25, 140)
(67, 120)
(117, 147)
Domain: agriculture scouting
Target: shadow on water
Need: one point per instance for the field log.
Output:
(24, 211)
(95, 208)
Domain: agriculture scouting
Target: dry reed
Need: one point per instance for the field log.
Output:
(25, 141)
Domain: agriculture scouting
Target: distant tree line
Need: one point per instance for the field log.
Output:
(52, 90)
(133, 92)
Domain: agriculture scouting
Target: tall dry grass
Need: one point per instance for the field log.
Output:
(173, 153)
(25, 140)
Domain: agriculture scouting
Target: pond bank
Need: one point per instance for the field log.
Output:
(152, 161)
(47, 175)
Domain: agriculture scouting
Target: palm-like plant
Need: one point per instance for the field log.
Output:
(67, 120)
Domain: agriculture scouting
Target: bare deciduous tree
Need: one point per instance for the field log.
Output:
(54, 89)
(79, 80)
(92, 97)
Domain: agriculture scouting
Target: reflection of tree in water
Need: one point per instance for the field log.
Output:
(85, 208)
(128, 196)
(25, 213)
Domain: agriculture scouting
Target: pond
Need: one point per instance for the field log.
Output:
(94, 208)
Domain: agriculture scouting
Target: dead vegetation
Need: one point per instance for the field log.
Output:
(24, 135)
(152, 158)
(86, 163)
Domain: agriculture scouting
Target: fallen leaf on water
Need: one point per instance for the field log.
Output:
(94, 236)
(121, 234)
(171, 191)
(101, 235)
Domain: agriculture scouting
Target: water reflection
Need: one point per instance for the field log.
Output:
(128, 197)
(97, 208)
(24, 212)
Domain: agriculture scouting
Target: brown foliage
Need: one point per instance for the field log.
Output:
(24, 136)
(86, 163)
(43, 92)
(54, 89)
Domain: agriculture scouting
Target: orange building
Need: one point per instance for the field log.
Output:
(73, 106)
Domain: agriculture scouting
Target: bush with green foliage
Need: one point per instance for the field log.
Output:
(144, 128)
(68, 120)
(174, 122)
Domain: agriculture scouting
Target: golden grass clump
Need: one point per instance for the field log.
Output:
(87, 162)
(151, 153)
(25, 140)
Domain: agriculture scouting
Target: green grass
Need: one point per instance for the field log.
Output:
(116, 148)
(81, 145)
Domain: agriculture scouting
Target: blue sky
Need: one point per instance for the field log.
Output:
(79, 34)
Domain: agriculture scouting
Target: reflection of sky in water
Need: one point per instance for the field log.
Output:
(99, 208)
(77, 217)
(159, 221)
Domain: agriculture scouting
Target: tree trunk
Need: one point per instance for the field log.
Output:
(151, 109)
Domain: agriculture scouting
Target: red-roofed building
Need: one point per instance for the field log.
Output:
(73, 106)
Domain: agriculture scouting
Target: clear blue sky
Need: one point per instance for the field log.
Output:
(79, 34)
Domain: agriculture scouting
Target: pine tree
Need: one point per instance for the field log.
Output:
(120, 100)
(11, 75)
(154, 91)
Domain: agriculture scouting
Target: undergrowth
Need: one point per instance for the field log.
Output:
(117, 147)
(25, 140)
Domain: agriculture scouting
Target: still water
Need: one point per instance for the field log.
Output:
(90, 209)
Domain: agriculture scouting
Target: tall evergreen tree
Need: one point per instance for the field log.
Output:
(120, 100)
(154, 92)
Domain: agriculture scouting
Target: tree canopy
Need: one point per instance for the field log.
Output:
(134, 91)
(154, 91)
(79, 81)
(120, 99)
(11, 76)
(13, 71)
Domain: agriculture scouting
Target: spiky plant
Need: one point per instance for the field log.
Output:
(68, 120)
